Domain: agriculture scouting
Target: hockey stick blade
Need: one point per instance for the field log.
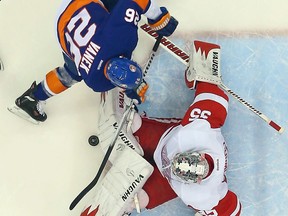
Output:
(104, 161)
(183, 57)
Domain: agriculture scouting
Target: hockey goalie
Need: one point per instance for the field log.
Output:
(189, 156)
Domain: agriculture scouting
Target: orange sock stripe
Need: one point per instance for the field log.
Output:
(67, 15)
(53, 84)
(142, 3)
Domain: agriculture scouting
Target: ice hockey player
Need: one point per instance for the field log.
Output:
(189, 155)
(97, 45)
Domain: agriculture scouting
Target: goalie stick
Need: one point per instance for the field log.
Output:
(104, 161)
(184, 58)
(111, 146)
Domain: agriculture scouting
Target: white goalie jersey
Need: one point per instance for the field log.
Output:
(199, 137)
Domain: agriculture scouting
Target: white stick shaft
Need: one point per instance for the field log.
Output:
(183, 57)
(253, 109)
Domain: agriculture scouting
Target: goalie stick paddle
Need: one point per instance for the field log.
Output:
(184, 58)
(111, 146)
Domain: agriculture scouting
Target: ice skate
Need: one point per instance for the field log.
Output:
(28, 107)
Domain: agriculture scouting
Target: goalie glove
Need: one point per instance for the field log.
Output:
(138, 94)
(165, 24)
(115, 195)
(204, 64)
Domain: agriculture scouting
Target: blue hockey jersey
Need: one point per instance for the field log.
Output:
(90, 35)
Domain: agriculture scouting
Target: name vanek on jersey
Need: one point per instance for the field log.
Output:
(90, 35)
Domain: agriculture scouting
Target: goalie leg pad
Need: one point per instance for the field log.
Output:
(117, 189)
(204, 64)
(111, 111)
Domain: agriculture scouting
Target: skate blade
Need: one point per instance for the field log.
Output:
(19, 112)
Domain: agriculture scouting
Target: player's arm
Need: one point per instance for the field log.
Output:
(203, 73)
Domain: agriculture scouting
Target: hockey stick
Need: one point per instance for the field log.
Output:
(152, 55)
(104, 161)
(184, 58)
(111, 146)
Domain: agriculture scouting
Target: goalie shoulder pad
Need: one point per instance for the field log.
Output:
(204, 64)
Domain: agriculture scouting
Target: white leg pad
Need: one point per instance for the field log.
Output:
(110, 114)
(116, 191)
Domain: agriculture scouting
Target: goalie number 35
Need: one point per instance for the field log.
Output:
(197, 113)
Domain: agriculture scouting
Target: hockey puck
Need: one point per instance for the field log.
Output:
(93, 140)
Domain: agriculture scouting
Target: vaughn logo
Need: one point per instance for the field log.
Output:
(121, 99)
(132, 187)
(215, 63)
(124, 138)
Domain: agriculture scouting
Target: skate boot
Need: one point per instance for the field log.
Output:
(33, 107)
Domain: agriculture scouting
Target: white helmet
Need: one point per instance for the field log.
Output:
(190, 167)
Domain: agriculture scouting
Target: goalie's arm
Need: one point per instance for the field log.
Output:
(204, 74)
(210, 103)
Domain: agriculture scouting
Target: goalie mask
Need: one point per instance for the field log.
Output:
(190, 167)
(123, 72)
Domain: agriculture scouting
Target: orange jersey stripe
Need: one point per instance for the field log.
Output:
(67, 15)
(53, 83)
(142, 3)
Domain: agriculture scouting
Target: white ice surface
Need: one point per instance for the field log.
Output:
(42, 168)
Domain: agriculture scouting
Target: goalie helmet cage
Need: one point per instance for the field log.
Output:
(183, 57)
(111, 146)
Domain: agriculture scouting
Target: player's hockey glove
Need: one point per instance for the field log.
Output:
(138, 93)
(165, 24)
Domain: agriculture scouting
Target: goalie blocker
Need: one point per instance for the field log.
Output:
(204, 64)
